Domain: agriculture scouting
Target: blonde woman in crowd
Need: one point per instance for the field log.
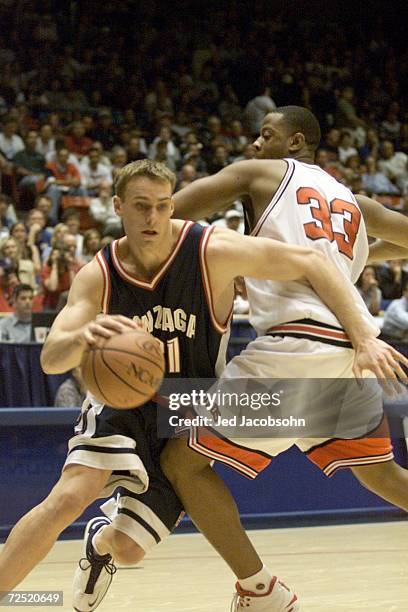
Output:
(19, 232)
(10, 254)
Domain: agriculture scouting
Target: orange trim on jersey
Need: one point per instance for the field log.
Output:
(220, 327)
(338, 454)
(278, 194)
(309, 329)
(244, 460)
(149, 286)
(106, 292)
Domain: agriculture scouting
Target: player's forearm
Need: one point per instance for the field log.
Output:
(62, 351)
(382, 223)
(382, 250)
(196, 201)
(334, 290)
(213, 193)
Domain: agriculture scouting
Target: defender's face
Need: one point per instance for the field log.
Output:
(273, 141)
(146, 209)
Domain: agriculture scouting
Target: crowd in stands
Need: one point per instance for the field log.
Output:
(86, 88)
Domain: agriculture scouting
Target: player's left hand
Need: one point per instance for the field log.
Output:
(384, 361)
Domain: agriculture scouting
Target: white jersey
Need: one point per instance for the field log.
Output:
(311, 209)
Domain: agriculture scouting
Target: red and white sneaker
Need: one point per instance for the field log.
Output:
(279, 598)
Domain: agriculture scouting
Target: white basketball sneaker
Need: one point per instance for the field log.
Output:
(279, 598)
(94, 573)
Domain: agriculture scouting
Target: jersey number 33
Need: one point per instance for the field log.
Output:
(322, 226)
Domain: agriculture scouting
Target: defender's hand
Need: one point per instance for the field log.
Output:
(383, 360)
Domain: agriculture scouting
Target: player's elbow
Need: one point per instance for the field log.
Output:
(46, 362)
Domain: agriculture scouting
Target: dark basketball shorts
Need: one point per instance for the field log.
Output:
(145, 506)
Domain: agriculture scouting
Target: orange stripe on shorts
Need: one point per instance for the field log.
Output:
(223, 449)
(338, 453)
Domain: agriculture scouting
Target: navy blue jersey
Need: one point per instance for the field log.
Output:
(175, 306)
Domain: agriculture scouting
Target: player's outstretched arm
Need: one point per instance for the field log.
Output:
(383, 223)
(76, 326)
(264, 258)
(213, 193)
(381, 250)
(232, 254)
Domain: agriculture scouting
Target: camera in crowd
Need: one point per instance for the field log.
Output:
(8, 266)
(64, 255)
(64, 252)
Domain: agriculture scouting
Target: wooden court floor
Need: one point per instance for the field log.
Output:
(348, 568)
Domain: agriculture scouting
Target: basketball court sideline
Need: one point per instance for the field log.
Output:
(348, 568)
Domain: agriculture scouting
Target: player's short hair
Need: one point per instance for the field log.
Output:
(302, 120)
(148, 168)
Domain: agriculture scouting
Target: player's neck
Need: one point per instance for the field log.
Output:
(305, 158)
(145, 260)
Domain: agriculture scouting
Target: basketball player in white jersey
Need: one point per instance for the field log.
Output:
(103, 448)
(293, 201)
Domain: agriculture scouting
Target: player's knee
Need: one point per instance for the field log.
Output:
(125, 550)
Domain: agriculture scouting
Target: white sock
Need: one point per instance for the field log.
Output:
(258, 583)
(95, 546)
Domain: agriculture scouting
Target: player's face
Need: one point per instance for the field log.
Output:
(146, 209)
(273, 141)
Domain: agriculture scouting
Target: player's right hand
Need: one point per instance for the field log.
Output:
(106, 326)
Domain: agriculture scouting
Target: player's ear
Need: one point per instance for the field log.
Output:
(117, 204)
(171, 207)
(297, 141)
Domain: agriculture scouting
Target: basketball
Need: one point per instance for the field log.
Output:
(124, 371)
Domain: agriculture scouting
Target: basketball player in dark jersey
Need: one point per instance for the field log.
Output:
(176, 278)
